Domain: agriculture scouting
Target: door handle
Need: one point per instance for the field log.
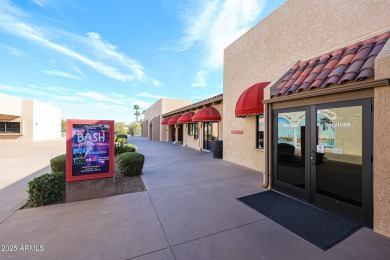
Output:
(316, 158)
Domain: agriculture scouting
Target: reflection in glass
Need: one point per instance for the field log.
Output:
(291, 152)
(210, 133)
(339, 170)
(10, 127)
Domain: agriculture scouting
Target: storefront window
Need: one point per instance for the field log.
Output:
(10, 127)
(193, 130)
(260, 131)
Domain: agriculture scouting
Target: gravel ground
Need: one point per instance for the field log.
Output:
(125, 184)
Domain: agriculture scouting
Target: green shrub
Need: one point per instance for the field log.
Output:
(122, 141)
(124, 148)
(118, 136)
(46, 189)
(58, 164)
(130, 164)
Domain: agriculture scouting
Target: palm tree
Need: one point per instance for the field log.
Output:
(137, 113)
(325, 123)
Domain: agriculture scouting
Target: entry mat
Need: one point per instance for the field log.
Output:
(319, 227)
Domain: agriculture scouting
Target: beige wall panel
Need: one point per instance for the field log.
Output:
(153, 110)
(191, 141)
(243, 145)
(144, 128)
(162, 106)
(156, 129)
(381, 145)
(10, 106)
(382, 161)
(297, 30)
(170, 104)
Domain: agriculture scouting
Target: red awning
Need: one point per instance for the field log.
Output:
(250, 101)
(186, 118)
(173, 120)
(206, 114)
(165, 120)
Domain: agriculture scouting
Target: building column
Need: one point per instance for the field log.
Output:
(200, 135)
(176, 135)
(185, 134)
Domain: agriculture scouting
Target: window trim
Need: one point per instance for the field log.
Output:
(10, 133)
(258, 131)
(193, 130)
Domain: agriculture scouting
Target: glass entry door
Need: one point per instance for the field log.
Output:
(322, 154)
(291, 152)
(210, 133)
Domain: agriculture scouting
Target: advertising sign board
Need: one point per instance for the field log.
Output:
(89, 149)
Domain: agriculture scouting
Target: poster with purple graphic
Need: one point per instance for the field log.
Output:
(91, 149)
(90, 155)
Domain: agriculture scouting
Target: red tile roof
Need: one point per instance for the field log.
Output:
(353, 63)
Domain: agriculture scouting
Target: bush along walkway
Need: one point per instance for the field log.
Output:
(49, 188)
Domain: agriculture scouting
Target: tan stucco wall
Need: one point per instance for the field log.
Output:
(382, 160)
(299, 29)
(10, 106)
(382, 144)
(156, 129)
(144, 128)
(162, 106)
(26, 124)
(153, 110)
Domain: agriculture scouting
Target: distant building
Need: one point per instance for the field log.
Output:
(151, 126)
(26, 120)
(195, 125)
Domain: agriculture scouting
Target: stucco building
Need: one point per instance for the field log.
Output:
(306, 103)
(326, 108)
(26, 120)
(151, 126)
(195, 125)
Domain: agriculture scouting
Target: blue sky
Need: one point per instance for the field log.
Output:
(96, 59)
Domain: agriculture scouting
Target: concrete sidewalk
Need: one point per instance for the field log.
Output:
(189, 211)
(20, 163)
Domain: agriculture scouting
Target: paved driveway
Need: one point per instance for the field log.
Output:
(189, 211)
(19, 164)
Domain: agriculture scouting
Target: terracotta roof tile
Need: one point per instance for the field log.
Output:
(366, 73)
(364, 51)
(352, 63)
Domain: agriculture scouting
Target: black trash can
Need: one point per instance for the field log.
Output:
(217, 149)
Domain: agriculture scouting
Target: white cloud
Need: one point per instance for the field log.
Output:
(14, 51)
(41, 3)
(123, 68)
(61, 74)
(200, 80)
(217, 23)
(111, 98)
(148, 95)
(156, 83)
(108, 51)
